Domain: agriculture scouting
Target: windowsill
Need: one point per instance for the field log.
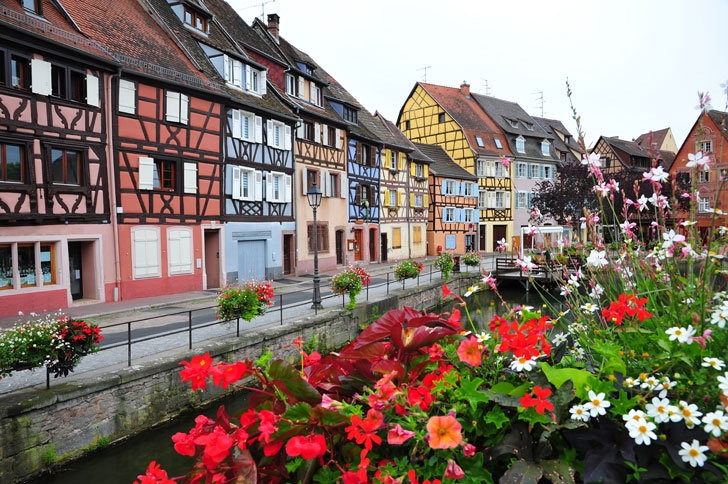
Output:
(15, 90)
(420, 178)
(393, 171)
(60, 101)
(141, 278)
(173, 274)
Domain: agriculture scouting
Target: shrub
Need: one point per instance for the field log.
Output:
(351, 281)
(246, 301)
(408, 269)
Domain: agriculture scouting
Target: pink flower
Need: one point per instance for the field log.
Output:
(398, 435)
(468, 450)
(453, 471)
(469, 351)
(506, 161)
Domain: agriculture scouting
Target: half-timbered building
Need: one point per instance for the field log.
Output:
(167, 129)
(451, 118)
(56, 231)
(258, 191)
(533, 160)
(618, 155)
(453, 214)
(320, 153)
(409, 224)
(709, 136)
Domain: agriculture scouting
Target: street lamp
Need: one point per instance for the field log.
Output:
(314, 200)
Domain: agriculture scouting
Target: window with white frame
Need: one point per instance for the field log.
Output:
(278, 187)
(529, 126)
(290, 85)
(449, 215)
(317, 99)
(177, 107)
(146, 252)
(482, 199)
(393, 194)
(234, 72)
(500, 170)
(481, 168)
(418, 200)
(279, 135)
(255, 80)
(179, 251)
(704, 204)
(545, 148)
(247, 183)
(243, 125)
(548, 172)
(449, 187)
(522, 200)
(534, 171)
(419, 170)
(479, 140)
(498, 143)
(512, 123)
(468, 189)
(127, 96)
(521, 170)
(520, 145)
(703, 176)
(468, 215)
(706, 146)
(500, 199)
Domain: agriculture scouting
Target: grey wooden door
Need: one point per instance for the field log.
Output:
(251, 260)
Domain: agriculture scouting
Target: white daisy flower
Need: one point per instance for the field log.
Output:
(471, 290)
(589, 307)
(560, 339)
(664, 385)
(597, 405)
(482, 337)
(689, 412)
(578, 412)
(597, 258)
(723, 383)
(715, 423)
(693, 453)
(629, 382)
(523, 364)
(650, 382)
(719, 315)
(633, 415)
(596, 291)
(659, 409)
(714, 363)
(681, 335)
(642, 431)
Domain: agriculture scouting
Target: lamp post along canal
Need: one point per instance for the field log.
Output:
(314, 200)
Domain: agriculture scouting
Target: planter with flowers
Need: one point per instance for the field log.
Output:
(445, 263)
(351, 281)
(471, 259)
(246, 301)
(55, 341)
(408, 269)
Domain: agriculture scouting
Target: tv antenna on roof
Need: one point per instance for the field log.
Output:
(424, 76)
(487, 87)
(540, 100)
(262, 8)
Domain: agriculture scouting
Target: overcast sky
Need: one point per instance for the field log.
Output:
(634, 66)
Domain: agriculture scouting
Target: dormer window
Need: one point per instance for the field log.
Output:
(479, 140)
(498, 143)
(520, 144)
(512, 123)
(290, 85)
(32, 6)
(350, 114)
(195, 19)
(545, 148)
(315, 95)
(528, 126)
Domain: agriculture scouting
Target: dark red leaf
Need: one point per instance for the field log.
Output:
(388, 366)
(244, 468)
(382, 327)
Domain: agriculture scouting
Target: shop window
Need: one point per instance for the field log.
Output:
(26, 265)
(48, 264)
(6, 267)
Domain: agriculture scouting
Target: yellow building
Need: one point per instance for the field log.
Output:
(452, 119)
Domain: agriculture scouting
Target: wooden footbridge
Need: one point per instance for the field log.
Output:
(506, 269)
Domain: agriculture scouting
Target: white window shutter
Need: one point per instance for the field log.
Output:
(338, 138)
(287, 188)
(304, 180)
(312, 92)
(325, 134)
(127, 96)
(263, 87)
(301, 131)
(173, 106)
(92, 90)
(146, 173)
(184, 108)
(237, 74)
(185, 250)
(258, 129)
(325, 183)
(317, 133)
(237, 124)
(226, 67)
(344, 186)
(258, 186)
(287, 138)
(301, 87)
(236, 185)
(248, 78)
(40, 77)
(507, 199)
(269, 186)
(269, 131)
(190, 178)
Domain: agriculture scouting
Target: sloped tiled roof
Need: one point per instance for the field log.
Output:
(720, 118)
(442, 164)
(415, 154)
(466, 112)
(629, 147)
(129, 30)
(658, 137)
(57, 27)
(552, 125)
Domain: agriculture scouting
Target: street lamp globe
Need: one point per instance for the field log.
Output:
(314, 196)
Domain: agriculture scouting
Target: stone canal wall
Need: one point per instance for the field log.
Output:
(39, 427)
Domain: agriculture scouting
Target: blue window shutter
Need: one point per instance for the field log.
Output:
(458, 214)
(475, 190)
(444, 214)
(442, 188)
(476, 215)
(457, 188)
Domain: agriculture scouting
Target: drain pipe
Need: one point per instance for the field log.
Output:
(112, 183)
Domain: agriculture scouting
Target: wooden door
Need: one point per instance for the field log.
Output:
(340, 247)
(358, 244)
(372, 245)
(499, 232)
(384, 247)
(287, 248)
(212, 258)
(75, 267)
(483, 245)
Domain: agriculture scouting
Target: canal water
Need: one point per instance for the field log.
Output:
(121, 463)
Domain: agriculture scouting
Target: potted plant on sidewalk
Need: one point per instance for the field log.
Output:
(351, 281)
(445, 262)
(246, 301)
(408, 269)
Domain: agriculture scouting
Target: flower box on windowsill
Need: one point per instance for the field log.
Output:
(420, 178)
(393, 171)
(393, 208)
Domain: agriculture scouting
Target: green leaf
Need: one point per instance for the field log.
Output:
(300, 412)
(329, 417)
(557, 471)
(610, 351)
(502, 387)
(475, 470)
(622, 404)
(289, 381)
(522, 472)
(293, 465)
(520, 390)
(531, 416)
(496, 417)
(327, 475)
(469, 390)
(559, 376)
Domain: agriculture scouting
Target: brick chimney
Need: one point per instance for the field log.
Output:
(273, 22)
(465, 89)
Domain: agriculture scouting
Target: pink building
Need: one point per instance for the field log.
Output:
(56, 224)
